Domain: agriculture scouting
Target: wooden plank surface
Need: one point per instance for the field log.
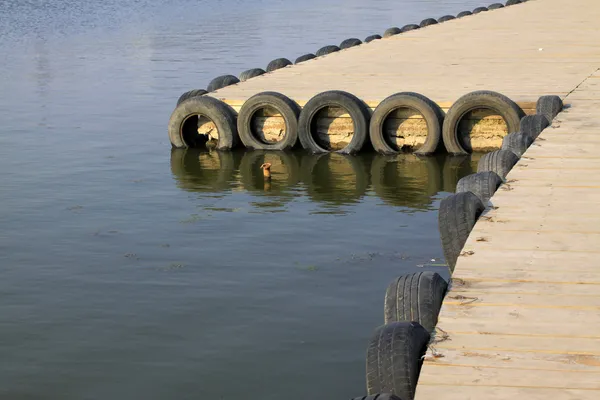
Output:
(522, 317)
(524, 51)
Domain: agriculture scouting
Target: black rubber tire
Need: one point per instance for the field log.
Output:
(430, 111)
(495, 6)
(517, 142)
(533, 125)
(191, 93)
(499, 161)
(251, 73)
(305, 57)
(415, 297)
(549, 106)
(222, 81)
(394, 358)
(456, 219)
(513, 2)
(369, 39)
(446, 18)
(502, 105)
(463, 14)
(346, 44)
(394, 30)
(357, 109)
(479, 9)
(278, 63)
(379, 396)
(427, 22)
(288, 109)
(223, 116)
(323, 51)
(482, 184)
(410, 27)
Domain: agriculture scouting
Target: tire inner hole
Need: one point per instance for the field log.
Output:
(332, 128)
(481, 129)
(267, 125)
(404, 128)
(199, 131)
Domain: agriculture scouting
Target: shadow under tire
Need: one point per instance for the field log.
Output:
(221, 114)
(336, 98)
(481, 184)
(457, 217)
(517, 142)
(481, 99)
(549, 106)
(394, 358)
(191, 93)
(499, 161)
(415, 297)
(288, 109)
(414, 101)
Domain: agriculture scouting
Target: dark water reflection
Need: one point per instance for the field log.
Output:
(333, 181)
(130, 272)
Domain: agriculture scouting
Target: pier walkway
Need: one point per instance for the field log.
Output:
(524, 51)
(522, 318)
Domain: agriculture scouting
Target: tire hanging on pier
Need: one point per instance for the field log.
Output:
(499, 161)
(222, 81)
(346, 44)
(284, 106)
(251, 73)
(184, 124)
(369, 39)
(481, 99)
(446, 18)
(431, 112)
(394, 30)
(415, 297)
(427, 22)
(513, 2)
(191, 93)
(549, 106)
(355, 107)
(482, 184)
(479, 9)
(457, 217)
(495, 6)
(464, 14)
(278, 63)
(305, 57)
(410, 27)
(517, 142)
(323, 51)
(394, 359)
(533, 125)
(379, 396)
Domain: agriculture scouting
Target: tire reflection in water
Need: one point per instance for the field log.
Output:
(333, 182)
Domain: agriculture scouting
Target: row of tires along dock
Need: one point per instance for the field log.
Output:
(337, 121)
(278, 63)
(397, 349)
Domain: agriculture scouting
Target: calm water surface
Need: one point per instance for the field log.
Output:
(131, 271)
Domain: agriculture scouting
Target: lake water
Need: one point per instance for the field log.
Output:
(132, 271)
